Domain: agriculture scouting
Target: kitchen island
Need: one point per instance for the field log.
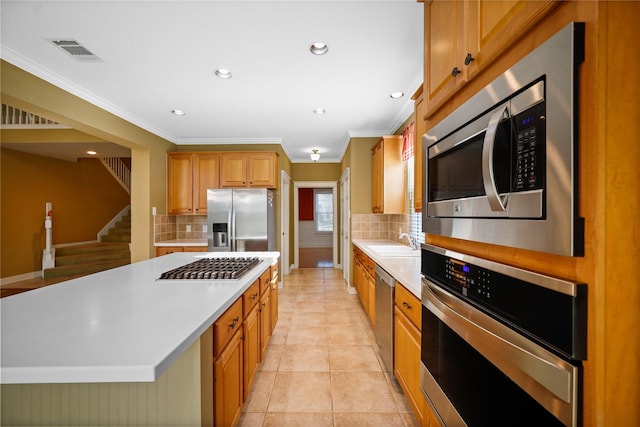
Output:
(116, 347)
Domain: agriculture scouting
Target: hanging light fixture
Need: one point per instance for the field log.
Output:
(314, 156)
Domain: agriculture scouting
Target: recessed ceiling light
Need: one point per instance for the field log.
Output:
(396, 95)
(178, 112)
(223, 73)
(91, 152)
(319, 48)
(319, 111)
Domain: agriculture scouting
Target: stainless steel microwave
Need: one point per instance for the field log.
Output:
(502, 168)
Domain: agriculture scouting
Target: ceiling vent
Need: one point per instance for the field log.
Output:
(76, 50)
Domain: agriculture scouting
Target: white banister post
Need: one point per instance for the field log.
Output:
(48, 261)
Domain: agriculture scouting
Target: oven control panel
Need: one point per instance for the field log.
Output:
(472, 280)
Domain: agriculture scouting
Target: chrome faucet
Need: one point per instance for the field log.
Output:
(412, 241)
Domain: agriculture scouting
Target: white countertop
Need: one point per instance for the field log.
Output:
(120, 325)
(405, 269)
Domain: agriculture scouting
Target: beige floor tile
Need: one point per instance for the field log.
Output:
(410, 419)
(368, 420)
(361, 392)
(258, 398)
(279, 335)
(343, 318)
(307, 335)
(251, 419)
(353, 358)
(353, 335)
(308, 318)
(272, 357)
(341, 305)
(304, 358)
(301, 392)
(300, 419)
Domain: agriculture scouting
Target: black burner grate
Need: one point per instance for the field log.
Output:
(213, 268)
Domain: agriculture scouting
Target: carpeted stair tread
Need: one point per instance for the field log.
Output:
(82, 269)
(91, 247)
(93, 257)
(79, 260)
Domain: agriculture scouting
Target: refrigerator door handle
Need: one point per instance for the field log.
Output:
(232, 222)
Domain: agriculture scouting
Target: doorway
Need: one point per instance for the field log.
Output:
(315, 224)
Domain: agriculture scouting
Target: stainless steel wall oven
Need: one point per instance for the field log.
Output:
(501, 168)
(501, 346)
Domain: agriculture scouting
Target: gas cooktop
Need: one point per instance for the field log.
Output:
(212, 269)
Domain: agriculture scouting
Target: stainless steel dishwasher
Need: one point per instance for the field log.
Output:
(385, 290)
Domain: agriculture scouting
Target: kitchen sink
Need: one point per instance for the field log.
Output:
(394, 250)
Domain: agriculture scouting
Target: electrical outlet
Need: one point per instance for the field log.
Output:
(188, 228)
(204, 228)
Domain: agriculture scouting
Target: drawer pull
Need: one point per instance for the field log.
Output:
(234, 323)
(406, 305)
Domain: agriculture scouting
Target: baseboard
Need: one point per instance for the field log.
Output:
(21, 277)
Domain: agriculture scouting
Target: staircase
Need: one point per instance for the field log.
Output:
(80, 260)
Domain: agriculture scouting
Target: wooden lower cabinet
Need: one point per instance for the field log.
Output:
(165, 250)
(232, 350)
(364, 280)
(371, 294)
(252, 348)
(407, 345)
(265, 321)
(228, 373)
(407, 362)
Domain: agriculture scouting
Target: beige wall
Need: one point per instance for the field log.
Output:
(84, 195)
(27, 92)
(315, 172)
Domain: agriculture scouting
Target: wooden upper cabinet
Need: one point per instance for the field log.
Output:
(388, 185)
(206, 175)
(494, 25)
(463, 36)
(262, 170)
(180, 183)
(444, 47)
(419, 130)
(189, 175)
(233, 170)
(258, 170)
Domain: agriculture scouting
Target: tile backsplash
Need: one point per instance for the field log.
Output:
(363, 226)
(172, 227)
(378, 226)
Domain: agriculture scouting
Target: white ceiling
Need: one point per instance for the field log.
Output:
(161, 55)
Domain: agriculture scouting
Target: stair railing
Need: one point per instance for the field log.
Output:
(119, 170)
(112, 223)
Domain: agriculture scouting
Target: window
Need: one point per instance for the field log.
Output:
(323, 198)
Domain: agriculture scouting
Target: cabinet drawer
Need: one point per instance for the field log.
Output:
(409, 305)
(251, 297)
(226, 326)
(265, 281)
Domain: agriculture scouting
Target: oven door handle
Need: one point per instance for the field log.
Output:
(549, 379)
(496, 203)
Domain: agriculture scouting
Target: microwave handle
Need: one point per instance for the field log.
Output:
(495, 202)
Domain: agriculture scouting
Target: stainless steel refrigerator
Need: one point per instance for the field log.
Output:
(241, 220)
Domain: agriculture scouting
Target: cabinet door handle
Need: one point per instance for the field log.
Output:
(468, 59)
(455, 72)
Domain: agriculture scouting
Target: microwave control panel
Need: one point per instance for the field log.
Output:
(529, 149)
